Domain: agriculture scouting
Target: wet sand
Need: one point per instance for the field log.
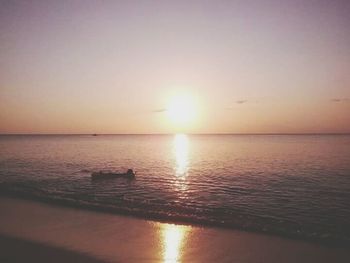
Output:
(35, 232)
(18, 250)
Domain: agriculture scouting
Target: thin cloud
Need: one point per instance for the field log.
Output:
(159, 110)
(241, 101)
(230, 107)
(337, 100)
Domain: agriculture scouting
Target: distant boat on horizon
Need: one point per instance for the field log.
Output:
(95, 134)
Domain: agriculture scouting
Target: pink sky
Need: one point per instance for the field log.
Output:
(110, 66)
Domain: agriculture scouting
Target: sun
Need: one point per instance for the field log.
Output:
(181, 110)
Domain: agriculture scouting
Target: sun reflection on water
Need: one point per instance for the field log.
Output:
(174, 240)
(181, 147)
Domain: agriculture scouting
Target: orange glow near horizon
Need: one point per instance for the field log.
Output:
(148, 68)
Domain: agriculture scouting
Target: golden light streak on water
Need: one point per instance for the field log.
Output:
(174, 240)
(181, 149)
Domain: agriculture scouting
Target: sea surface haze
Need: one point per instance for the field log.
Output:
(290, 185)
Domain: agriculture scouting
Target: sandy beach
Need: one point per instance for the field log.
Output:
(19, 250)
(34, 232)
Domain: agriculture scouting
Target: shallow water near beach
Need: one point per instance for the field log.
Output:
(290, 185)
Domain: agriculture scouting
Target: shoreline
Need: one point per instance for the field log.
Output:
(117, 238)
(329, 242)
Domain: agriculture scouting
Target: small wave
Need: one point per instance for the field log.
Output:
(182, 214)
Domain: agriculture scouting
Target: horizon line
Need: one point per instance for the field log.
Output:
(103, 134)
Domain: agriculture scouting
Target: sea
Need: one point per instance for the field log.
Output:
(296, 186)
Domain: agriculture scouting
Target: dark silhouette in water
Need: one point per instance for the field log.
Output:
(130, 174)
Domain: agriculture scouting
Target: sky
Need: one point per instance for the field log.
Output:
(114, 66)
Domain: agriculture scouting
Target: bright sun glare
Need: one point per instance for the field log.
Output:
(181, 110)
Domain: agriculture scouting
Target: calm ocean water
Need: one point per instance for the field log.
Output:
(292, 185)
